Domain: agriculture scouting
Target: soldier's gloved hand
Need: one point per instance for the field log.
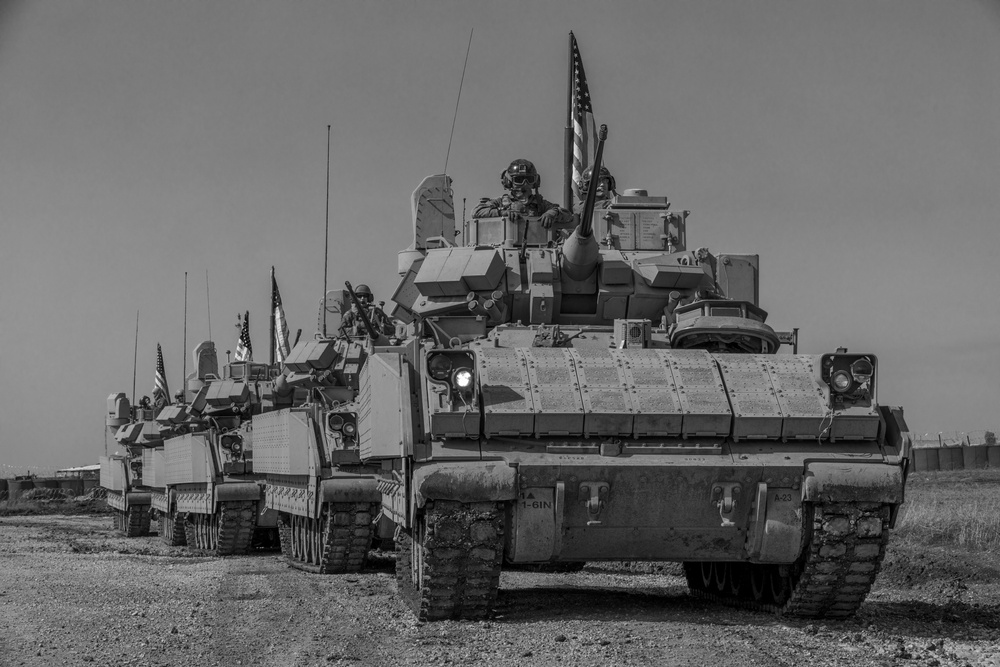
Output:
(550, 218)
(512, 215)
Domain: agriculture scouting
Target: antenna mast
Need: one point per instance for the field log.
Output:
(135, 356)
(208, 303)
(184, 350)
(455, 118)
(326, 239)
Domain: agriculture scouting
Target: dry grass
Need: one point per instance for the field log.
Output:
(957, 508)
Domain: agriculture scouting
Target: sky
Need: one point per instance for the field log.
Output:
(853, 145)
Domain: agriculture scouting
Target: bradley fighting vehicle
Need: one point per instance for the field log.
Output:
(617, 396)
(210, 497)
(610, 396)
(129, 478)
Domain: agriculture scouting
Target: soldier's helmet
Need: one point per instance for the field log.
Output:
(364, 293)
(520, 172)
(583, 185)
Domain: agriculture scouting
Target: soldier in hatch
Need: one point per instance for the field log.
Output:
(605, 189)
(521, 181)
(352, 324)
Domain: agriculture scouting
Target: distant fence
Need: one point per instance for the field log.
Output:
(926, 459)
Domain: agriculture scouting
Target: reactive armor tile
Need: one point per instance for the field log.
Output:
(652, 392)
(608, 410)
(702, 394)
(507, 401)
(555, 391)
(801, 396)
(756, 413)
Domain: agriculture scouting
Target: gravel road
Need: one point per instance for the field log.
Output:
(74, 593)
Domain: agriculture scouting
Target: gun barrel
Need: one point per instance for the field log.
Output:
(362, 311)
(587, 220)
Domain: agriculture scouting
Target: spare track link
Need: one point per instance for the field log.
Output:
(171, 528)
(335, 543)
(449, 567)
(842, 558)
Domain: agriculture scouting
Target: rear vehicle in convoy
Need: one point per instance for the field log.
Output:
(129, 478)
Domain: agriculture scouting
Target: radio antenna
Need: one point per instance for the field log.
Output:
(455, 118)
(326, 239)
(184, 349)
(208, 302)
(135, 356)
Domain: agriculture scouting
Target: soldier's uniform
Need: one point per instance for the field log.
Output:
(352, 324)
(521, 181)
(533, 207)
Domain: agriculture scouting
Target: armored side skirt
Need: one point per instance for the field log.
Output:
(303, 495)
(123, 501)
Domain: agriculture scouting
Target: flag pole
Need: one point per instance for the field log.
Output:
(273, 340)
(568, 135)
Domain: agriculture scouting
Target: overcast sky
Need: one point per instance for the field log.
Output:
(854, 145)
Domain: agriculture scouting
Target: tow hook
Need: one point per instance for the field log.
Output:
(594, 495)
(724, 495)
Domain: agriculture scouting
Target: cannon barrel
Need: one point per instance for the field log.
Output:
(581, 251)
(587, 221)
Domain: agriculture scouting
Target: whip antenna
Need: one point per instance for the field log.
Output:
(184, 349)
(208, 303)
(326, 239)
(135, 356)
(455, 118)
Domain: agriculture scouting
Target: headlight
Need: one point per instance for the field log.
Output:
(463, 378)
(232, 442)
(349, 429)
(841, 381)
(335, 422)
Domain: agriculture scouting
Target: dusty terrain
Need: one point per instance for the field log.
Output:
(74, 593)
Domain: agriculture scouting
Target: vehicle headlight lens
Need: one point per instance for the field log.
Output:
(335, 422)
(862, 370)
(349, 429)
(439, 366)
(841, 381)
(463, 378)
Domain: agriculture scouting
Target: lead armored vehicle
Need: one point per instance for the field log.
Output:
(618, 396)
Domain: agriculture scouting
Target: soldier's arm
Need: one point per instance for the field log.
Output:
(487, 208)
(557, 215)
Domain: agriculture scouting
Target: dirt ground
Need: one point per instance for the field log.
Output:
(74, 593)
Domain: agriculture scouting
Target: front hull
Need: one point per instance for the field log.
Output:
(722, 501)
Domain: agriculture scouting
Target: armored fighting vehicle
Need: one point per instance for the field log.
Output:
(618, 396)
(327, 500)
(211, 499)
(128, 477)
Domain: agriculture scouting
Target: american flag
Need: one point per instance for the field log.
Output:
(161, 395)
(583, 116)
(281, 346)
(244, 350)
